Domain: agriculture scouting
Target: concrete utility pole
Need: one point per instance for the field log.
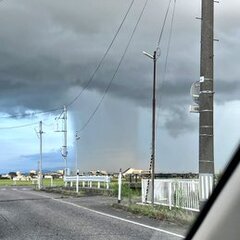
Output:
(40, 163)
(76, 140)
(206, 98)
(153, 123)
(64, 147)
(154, 58)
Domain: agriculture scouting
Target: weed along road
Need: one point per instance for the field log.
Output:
(28, 214)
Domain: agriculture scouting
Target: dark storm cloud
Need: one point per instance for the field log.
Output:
(50, 47)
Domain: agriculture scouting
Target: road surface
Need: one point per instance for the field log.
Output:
(27, 214)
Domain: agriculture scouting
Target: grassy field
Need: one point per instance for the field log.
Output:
(46, 182)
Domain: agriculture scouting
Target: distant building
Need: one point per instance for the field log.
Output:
(5, 176)
(60, 172)
(21, 177)
(98, 173)
(133, 171)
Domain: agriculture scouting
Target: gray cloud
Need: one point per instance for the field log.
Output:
(50, 47)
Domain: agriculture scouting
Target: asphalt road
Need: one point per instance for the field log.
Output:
(27, 214)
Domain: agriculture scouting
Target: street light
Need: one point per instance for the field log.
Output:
(154, 58)
(148, 55)
(76, 139)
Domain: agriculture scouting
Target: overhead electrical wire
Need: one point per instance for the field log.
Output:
(164, 23)
(103, 57)
(169, 39)
(19, 126)
(166, 59)
(22, 115)
(116, 71)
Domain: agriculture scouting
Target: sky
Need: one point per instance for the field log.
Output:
(49, 51)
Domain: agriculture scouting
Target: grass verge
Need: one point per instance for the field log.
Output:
(46, 182)
(175, 215)
(68, 191)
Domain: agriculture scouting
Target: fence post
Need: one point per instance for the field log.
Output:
(170, 194)
(119, 185)
(107, 180)
(77, 182)
(51, 181)
(98, 184)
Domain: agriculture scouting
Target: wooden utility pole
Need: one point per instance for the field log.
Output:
(206, 100)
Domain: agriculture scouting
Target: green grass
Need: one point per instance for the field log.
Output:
(127, 192)
(175, 215)
(46, 182)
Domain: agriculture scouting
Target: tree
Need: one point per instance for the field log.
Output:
(12, 174)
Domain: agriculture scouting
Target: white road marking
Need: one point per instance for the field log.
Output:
(121, 219)
(3, 189)
(112, 216)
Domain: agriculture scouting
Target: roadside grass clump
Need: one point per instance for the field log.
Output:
(71, 191)
(63, 192)
(175, 215)
(126, 192)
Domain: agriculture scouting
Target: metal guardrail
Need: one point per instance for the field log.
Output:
(86, 181)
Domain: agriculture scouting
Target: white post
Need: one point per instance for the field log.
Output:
(76, 140)
(98, 184)
(170, 194)
(71, 184)
(90, 184)
(77, 182)
(119, 185)
(51, 181)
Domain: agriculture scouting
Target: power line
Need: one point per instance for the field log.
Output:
(166, 58)
(103, 57)
(115, 73)
(21, 115)
(19, 126)
(164, 23)
(26, 125)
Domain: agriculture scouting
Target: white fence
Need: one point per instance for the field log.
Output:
(183, 193)
(87, 181)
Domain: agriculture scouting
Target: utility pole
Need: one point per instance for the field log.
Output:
(153, 123)
(206, 100)
(154, 58)
(64, 152)
(76, 139)
(40, 163)
(64, 147)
